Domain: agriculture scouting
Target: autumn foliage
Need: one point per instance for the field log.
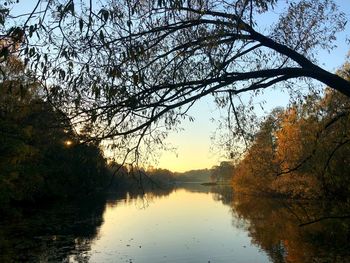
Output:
(302, 151)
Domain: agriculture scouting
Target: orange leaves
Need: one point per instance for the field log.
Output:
(289, 146)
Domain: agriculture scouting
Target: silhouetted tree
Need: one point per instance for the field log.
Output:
(40, 154)
(126, 68)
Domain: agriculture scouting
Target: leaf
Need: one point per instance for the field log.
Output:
(3, 13)
(70, 8)
(115, 72)
(135, 78)
(32, 52)
(105, 15)
(81, 24)
(62, 74)
(31, 30)
(4, 52)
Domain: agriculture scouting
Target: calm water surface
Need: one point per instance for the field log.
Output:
(191, 224)
(181, 227)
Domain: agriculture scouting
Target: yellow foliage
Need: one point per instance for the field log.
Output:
(297, 185)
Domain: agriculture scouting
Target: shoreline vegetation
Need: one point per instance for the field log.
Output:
(302, 152)
(209, 184)
(56, 169)
(284, 159)
(80, 81)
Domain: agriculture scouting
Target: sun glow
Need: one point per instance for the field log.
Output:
(68, 142)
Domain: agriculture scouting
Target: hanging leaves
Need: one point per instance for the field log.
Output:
(81, 24)
(104, 13)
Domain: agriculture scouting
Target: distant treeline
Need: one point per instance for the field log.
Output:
(302, 151)
(221, 173)
(129, 177)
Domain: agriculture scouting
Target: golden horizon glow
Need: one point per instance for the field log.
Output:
(189, 156)
(193, 143)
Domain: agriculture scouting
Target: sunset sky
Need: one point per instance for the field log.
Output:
(193, 143)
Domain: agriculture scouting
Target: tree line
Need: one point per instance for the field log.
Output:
(41, 157)
(301, 151)
(44, 158)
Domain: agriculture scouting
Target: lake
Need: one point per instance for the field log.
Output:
(191, 223)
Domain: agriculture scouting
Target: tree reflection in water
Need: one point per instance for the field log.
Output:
(65, 233)
(273, 225)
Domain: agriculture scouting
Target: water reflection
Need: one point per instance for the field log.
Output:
(191, 223)
(63, 233)
(274, 225)
(187, 225)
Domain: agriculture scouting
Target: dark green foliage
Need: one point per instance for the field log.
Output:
(40, 155)
(37, 162)
(74, 170)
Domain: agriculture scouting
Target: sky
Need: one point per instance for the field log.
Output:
(193, 144)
